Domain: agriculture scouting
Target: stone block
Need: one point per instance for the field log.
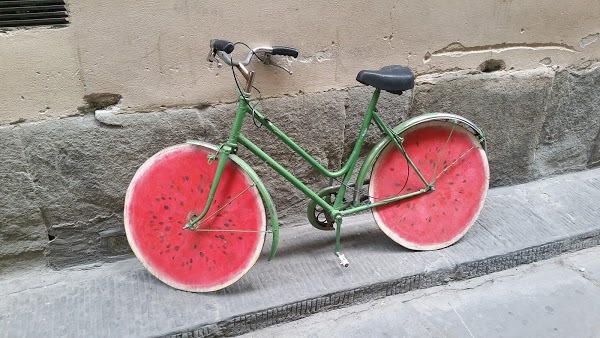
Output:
(508, 105)
(23, 236)
(82, 166)
(569, 137)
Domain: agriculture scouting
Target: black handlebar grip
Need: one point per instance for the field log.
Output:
(288, 51)
(222, 45)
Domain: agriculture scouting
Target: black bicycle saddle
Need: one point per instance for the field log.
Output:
(394, 79)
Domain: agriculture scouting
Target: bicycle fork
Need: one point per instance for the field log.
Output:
(223, 155)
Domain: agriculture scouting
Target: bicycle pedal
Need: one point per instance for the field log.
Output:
(343, 260)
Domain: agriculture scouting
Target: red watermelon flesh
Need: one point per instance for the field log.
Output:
(169, 189)
(439, 218)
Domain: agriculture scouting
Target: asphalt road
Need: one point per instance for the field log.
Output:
(554, 298)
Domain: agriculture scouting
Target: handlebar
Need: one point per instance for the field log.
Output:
(222, 45)
(288, 51)
(222, 49)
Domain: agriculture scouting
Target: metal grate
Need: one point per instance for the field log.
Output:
(28, 13)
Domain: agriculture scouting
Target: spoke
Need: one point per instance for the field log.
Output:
(227, 230)
(453, 163)
(442, 152)
(223, 207)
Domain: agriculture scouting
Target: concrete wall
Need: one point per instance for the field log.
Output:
(66, 165)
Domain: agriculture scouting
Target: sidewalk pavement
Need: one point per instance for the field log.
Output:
(518, 225)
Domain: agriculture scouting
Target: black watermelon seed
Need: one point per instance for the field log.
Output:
(168, 246)
(221, 237)
(166, 207)
(163, 198)
(176, 248)
(167, 228)
(201, 254)
(195, 246)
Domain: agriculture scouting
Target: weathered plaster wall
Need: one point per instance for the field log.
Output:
(153, 53)
(40, 75)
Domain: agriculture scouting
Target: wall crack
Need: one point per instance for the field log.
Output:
(458, 49)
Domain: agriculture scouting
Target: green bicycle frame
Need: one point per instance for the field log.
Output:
(338, 209)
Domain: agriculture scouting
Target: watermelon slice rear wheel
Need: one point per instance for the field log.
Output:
(450, 156)
(167, 191)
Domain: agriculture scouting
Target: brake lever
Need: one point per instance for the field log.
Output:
(212, 57)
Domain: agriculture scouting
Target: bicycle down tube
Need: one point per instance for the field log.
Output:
(237, 138)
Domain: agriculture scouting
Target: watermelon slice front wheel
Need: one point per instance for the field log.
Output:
(451, 157)
(171, 188)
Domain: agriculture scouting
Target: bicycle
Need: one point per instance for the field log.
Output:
(195, 213)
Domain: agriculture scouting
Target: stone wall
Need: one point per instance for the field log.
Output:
(64, 180)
